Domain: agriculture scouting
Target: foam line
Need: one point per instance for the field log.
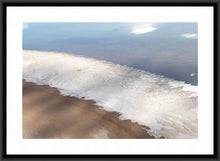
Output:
(168, 107)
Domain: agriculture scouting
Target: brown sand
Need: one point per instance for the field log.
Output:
(47, 114)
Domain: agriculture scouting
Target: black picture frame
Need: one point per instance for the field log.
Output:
(5, 3)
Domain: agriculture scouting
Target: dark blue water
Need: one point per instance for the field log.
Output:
(163, 51)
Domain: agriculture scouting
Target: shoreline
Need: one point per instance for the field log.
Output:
(47, 114)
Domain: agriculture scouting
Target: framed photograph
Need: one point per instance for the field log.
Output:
(109, 79)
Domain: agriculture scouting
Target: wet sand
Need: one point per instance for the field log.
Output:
(47, 114)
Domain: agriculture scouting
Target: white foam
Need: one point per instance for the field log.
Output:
(166, 106)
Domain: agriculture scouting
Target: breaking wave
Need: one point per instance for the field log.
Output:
(168, 107)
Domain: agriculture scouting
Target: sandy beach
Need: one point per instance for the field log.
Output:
(47, 114)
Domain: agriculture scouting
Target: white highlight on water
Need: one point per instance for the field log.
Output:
(189, 36)
(143, 28)
(166, 106)
(192, 74)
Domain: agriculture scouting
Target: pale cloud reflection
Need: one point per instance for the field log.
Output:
(189, 36)
(25, 26)
(143, 28)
